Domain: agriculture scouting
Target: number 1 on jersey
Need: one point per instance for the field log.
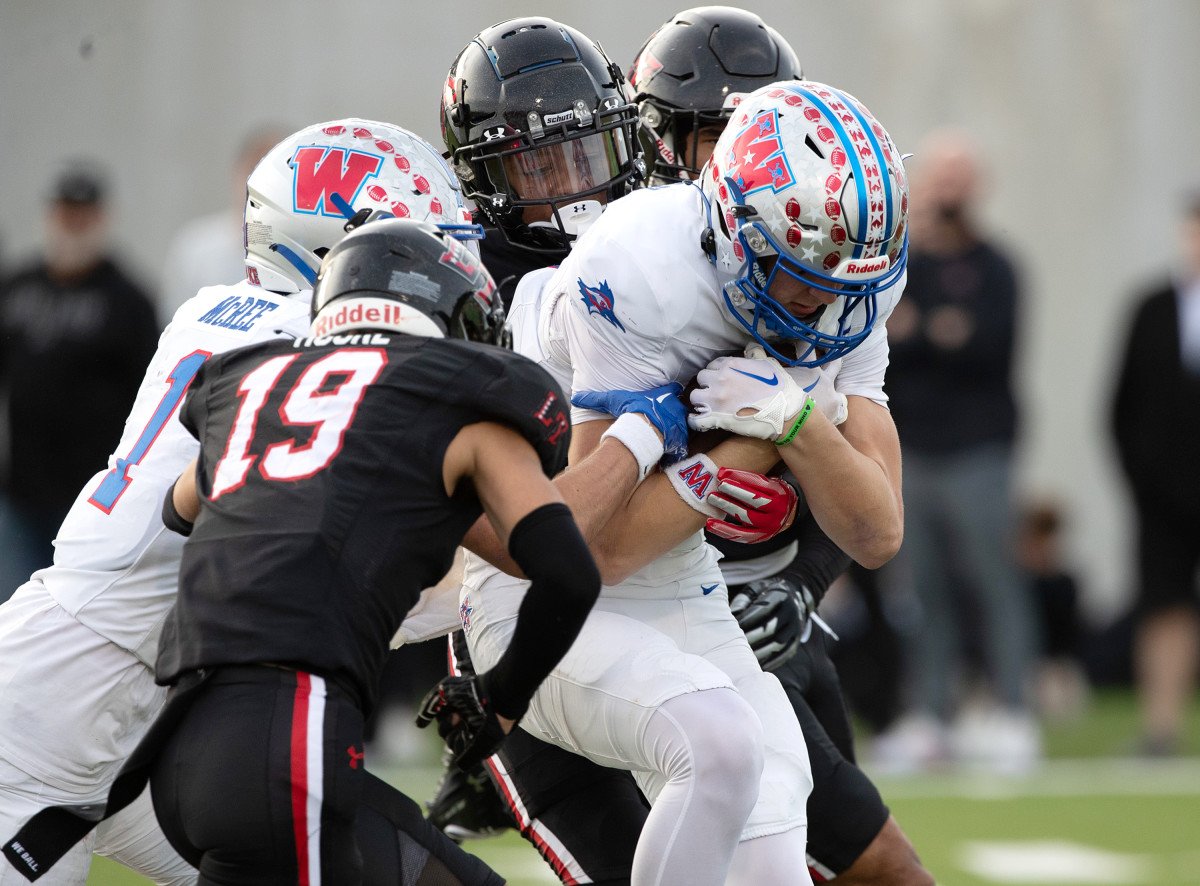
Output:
(117, 480)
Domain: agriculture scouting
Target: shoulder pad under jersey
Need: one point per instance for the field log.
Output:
(513, 390)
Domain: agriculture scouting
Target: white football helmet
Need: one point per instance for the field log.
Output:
(324, 180)
(805, 182)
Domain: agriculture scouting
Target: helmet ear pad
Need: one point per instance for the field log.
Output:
(410, 277)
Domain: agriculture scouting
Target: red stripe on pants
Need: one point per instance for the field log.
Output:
(300, 775)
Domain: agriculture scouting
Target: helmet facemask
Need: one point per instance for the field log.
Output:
(540, 131)
(819, 338)
(569, 171)
(671, 136)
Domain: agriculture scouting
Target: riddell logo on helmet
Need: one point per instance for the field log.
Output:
(358, 315)
(867, 266)
(663, 151)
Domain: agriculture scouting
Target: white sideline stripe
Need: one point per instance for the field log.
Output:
(1053, 861)
(1055, 778)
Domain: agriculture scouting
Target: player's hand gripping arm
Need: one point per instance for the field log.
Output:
(656, 518)
(529, 517)
(774, 612)
(849, 472)
(599, 483)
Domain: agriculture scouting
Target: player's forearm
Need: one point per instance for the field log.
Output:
(656, 519)
(186, 499)
(599, 486)
(594, 489)
(854, 492)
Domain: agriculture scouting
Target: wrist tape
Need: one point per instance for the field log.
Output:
(639, 437)
(694, 478)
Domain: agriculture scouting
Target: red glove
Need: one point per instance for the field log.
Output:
(759, 507)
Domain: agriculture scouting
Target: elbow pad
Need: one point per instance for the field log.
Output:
(564, 583)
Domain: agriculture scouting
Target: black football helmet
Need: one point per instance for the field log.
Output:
(693, 71)
(403, 275)
(538, 125)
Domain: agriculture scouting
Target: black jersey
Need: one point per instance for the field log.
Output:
(323, 508)
(507, 262)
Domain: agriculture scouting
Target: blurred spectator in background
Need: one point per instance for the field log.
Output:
(76, 334)
(1156, 426)
(210, 249)
(949, 382)
(1062, 688)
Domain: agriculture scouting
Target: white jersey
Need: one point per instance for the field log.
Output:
(115, 565)
(637, 304)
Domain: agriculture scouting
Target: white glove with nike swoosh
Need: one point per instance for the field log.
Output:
(758, 397)
(819, 383)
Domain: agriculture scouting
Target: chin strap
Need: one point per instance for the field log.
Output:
(573, 220)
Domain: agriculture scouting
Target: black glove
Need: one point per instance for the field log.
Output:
(477, 734)
(773, 612)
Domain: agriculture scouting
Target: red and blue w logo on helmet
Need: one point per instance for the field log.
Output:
(756, 159)
(321, 171)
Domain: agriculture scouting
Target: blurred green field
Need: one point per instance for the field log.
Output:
(1090, 815)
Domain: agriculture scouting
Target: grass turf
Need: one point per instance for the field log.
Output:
(1090, 816)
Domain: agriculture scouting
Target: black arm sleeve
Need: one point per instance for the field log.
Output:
(565, 582)
(818, 560)
(171, 517)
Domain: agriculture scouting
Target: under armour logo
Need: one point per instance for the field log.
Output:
(356, 757)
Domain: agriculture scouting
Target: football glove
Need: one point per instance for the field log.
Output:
(465, 721)
(759, 507)
(661, 406)
(773, 613)
(758, 397)
(818, 383)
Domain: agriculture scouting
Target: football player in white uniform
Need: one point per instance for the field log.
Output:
(78, 640)
(794, 242)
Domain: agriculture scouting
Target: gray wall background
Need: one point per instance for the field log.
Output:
(1088, 109)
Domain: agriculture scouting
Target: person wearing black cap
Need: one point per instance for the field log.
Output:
(75, 335)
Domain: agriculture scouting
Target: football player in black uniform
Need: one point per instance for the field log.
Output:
(337, 475)
(541, 135)
(687, 79)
